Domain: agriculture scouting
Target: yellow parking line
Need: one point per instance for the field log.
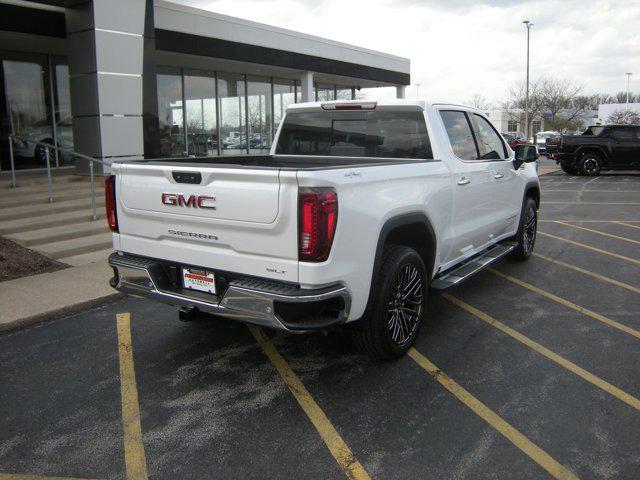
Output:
(589, 247)
(627, 224)
(337, 446)
(534, 452)
(20, 476)
(567, 303)
(572, 367)
(604, 234)
(588, 272)
(134, 457)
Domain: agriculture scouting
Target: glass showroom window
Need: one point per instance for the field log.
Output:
(27, 112)
(171, 115)
(260, 114)
(283, 95)
(200, 114)
(231, 105)
(344, 93)
(325, 92)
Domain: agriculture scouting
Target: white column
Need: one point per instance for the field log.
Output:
(400, 91)
(306, 84)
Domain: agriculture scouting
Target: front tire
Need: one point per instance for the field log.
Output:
(398, 305)
(566, 168)
(527, 230)
(590, 164)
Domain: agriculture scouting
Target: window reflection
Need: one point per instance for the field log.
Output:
(260, 118)
(344, 93)
(231, 104)
(283, 96)
(200, 100)
(28, 116)
(325, 92)
(170, 116)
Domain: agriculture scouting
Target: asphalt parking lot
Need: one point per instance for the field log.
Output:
(530, 370)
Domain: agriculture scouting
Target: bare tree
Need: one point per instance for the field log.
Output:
(558, 101)
(479, 101)
(558, 98)
(515, 105)
(624, 117)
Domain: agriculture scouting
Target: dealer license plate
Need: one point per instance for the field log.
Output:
(201, 280)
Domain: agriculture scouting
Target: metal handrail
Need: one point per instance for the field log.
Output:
(47, 147)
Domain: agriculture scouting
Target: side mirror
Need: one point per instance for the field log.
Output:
(525, 153)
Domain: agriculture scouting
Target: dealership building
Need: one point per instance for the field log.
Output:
(127, 79)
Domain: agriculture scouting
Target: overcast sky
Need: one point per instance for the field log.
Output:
(461, 47)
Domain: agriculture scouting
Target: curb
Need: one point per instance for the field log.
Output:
(65, 311)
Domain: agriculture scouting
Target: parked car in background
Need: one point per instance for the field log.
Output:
(27, 145)
(514, 139)
(551, 145)
(540, 140)
(612, 147)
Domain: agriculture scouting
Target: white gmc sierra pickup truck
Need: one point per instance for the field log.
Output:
(358, 211)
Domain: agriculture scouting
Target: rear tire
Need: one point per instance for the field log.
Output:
(398, 305)
(590, 164)
(526, 236)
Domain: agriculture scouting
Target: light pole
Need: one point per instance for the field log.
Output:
(418, 90)
(528, 24)
(628, 78)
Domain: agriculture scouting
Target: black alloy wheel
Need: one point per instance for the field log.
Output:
(404, 308)
(526, 237)
(530, 229)
(590, 165)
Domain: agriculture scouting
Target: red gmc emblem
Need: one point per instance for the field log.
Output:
(194, 201)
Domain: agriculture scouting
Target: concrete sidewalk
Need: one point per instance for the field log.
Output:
(33, 299)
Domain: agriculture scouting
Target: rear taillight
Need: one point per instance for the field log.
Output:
(318, 216)
(110, 202)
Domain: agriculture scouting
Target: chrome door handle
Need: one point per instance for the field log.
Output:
(464, 181)
(498, 176)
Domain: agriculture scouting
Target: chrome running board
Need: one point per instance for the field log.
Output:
(470, 267)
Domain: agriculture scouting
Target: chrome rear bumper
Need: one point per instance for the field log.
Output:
(261, 302)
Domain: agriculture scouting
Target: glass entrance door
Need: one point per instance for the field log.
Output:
(25, 111)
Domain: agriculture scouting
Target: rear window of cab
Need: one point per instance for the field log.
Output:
(385, 134)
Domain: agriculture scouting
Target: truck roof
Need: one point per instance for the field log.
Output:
(385, 103)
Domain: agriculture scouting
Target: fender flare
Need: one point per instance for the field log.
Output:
(389, 225)
(532, 186)
(600, 149)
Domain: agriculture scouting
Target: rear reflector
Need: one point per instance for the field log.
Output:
(110, 202)
(350, 106)
(318, 216)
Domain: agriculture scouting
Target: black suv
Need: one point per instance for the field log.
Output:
(599, 147)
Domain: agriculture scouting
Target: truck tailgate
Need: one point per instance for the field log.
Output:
(235, 219)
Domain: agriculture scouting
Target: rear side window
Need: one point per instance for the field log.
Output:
(460, 135)
(385, 134)
(622, 134)
(489, 142)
